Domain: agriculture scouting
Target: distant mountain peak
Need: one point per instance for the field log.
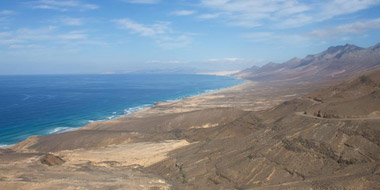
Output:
(270, 64)
(334, 62)
(345, 48)
(295, 59)
(376, 47)
(339, 51)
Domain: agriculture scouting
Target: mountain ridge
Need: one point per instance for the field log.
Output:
(336, 62)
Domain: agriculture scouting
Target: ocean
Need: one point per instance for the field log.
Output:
(48, 104)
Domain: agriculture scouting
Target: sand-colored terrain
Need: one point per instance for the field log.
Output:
(127, 154)
(130, 143)
(252, 136)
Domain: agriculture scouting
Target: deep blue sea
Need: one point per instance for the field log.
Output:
(47, 104)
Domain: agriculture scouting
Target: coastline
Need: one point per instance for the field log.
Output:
(152, 110)
(247, 96)
(128, 113)
(132, 144)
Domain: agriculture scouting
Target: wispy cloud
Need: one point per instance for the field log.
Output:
(5, 16)
(342, 7)
(43, 37)
(73, 35)
(161, 32)
(249, 13)
(352, 28)
(142, 1)
(278, 39)
(281, 13)
(174, 41)
(63, 5)
(209, 16)
(258, 36)
(142, 29)
(183, 12)
(7, 12)
(69, 21)
(24, 37)
(23, 46)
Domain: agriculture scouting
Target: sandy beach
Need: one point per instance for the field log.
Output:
(133, 141)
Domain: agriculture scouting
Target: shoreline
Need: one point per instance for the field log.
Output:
(139, 109)
(142, 112)
(139, 144)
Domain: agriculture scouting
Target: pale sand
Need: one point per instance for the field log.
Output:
(110, 167)
(126, 154)
(220, 73)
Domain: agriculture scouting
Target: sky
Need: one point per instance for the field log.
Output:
(121, 36)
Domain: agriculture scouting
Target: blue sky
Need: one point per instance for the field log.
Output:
(105, 36)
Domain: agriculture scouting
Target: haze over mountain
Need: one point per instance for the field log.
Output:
(335, 62)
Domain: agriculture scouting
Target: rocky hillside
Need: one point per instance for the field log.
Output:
(335, 62)
(284, 148)
(327, 139)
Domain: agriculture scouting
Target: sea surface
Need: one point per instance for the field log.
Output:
(48, 104)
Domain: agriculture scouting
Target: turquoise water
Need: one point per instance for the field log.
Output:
(48, 104)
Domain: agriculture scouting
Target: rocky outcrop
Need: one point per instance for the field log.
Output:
(51, 160)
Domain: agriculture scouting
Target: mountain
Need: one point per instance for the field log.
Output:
(356, 98)
(326, 139)
(288, 147)
(334, 63)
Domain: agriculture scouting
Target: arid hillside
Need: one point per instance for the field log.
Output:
(334, 63)
(284, 148)
(326, 139)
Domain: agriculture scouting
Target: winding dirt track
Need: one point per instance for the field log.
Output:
(337, 119)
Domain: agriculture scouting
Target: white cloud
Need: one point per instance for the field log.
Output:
(73, 35)
(5, 16)
(161, 32)
(24, 46)
(276, 39)
(63, 5)
(252, 13)
(7, 12)
(352, 28)
(342, 7)
(25, 36)
(172, 42)
(5, 34)
(209, 16)
(142, 29)
(295, 21)
(71, 21)
(281, 13)
(50, 36)
(183, 12)
(258, 36)
(142, 1)
(42, 33)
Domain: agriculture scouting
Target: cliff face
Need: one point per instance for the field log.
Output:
(335, 62)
